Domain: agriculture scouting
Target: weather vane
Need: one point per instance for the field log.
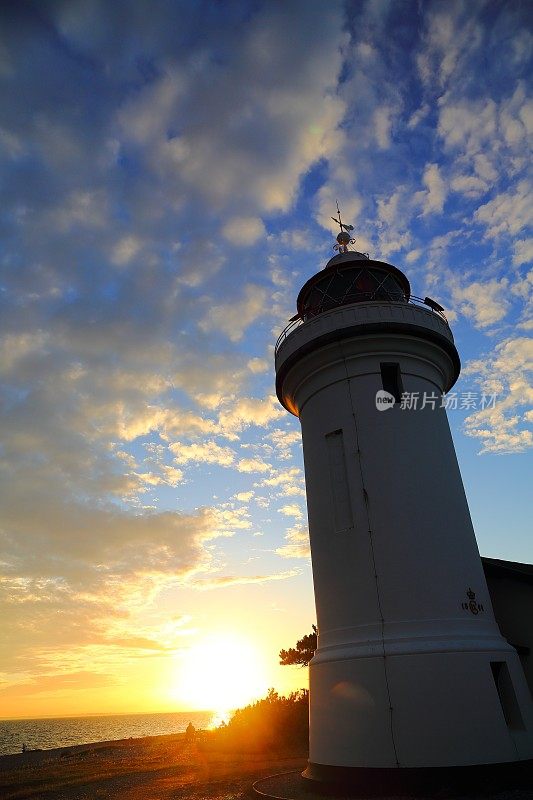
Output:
(343, 237)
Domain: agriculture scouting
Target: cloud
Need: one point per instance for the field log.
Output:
(253, 465)
(264, 82)
(243, 231)
(283, 477)
(244, 497)
(203, 452)
(523, 251)
(469, 185)
(224, 581)
(125, 250)
(432, 199)
(52, 684)
(504, 427)
(258, 365)
(297, 544)
(484, 302)
(234, 317)
(284, 441)
(413, 255)
(451, 33)
(508, 213)
(291, 510)
(246, 411)
(383, 123)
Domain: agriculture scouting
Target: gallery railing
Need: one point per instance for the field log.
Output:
(360, 297)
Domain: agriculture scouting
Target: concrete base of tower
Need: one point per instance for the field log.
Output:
(483, 779)
(421, 710)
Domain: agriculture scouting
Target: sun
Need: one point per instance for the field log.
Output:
(220, 673)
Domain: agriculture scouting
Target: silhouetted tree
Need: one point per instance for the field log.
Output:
(303, 652)
(273, 723)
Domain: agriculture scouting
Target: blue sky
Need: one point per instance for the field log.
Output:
(169, 173)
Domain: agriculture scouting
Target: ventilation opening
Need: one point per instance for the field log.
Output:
(340, 490)
(391, 379)
(506, 693)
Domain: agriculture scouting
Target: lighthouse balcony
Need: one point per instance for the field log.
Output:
(361, 318)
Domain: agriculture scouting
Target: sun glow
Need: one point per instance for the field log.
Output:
(221, 673)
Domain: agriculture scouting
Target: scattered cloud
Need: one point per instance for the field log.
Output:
(296, 544)
(234, 317)
(208, 452)
(243, 231)
(484, 302)
(224, 581)
(253, 465)
(504, 427)
(508, 213)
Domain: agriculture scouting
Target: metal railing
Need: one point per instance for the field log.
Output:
(361, 297)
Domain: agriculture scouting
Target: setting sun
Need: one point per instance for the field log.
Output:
(222, 672)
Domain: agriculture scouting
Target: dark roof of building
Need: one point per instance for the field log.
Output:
(513, 570)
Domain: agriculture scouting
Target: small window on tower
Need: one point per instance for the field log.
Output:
(391, 379)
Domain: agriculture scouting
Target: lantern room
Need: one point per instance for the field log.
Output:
(351, 277)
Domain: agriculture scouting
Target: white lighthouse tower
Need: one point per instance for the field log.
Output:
(411, 670)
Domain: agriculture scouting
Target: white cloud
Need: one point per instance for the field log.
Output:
(413, 255)
(383, 117)
(297, 544)
(284, 441)
(203, 452)
(234, 317)
(507, 373)
(253, 465)
(452, 34)
(468, 125)
(125, 249)
(432, 199)
(469, 185)
(266, 82)
(258, 365)
(247, 411)
(291, 510)
(417, 116)
(284, 477)
(243, 231)
(507, 213)
(523, 251)
(223, 581)
(244, 497)
(89, 209)
(484, 302)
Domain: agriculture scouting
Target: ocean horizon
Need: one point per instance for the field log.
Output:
(47, 733)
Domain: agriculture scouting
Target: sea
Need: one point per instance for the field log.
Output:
(68, 731)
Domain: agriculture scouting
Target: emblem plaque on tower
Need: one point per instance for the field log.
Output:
(471, 604)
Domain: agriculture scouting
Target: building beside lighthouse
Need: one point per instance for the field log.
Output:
(411, 669)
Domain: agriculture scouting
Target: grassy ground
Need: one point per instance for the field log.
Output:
(155, 768)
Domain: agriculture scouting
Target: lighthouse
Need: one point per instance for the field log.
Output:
(411, 670)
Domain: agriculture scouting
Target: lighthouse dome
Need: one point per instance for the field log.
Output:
(352, 277)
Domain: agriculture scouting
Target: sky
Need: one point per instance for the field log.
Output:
(169, 171)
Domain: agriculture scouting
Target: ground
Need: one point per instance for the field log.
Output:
(155, 768)
(168, 768)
